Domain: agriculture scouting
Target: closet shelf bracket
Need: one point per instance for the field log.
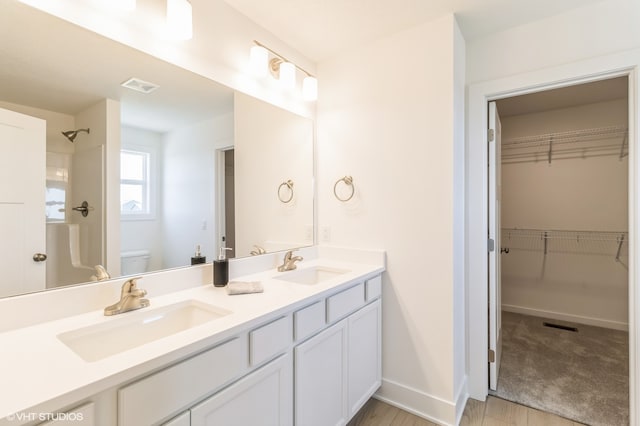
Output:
(624, 143)
(620, 242)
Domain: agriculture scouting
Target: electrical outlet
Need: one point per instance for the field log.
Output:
(204, 225)
(326, 234)
(308, 233)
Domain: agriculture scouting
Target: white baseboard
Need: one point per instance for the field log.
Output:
(598, 322)
(432, 408)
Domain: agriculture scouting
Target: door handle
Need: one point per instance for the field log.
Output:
(504, 250)
(39, 257)
(83, 208)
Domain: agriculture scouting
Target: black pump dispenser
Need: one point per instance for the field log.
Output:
(221, 268)
(198, 258)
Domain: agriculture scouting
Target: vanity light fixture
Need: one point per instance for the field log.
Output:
(282, 69)
(179, 19)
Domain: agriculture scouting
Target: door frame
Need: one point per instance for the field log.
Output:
(219, 201)
(476, 199)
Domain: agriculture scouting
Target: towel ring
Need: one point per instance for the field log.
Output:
(348, 180)
(288, 184)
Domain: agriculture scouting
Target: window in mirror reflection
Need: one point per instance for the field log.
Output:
(135, 184)
(56, 186)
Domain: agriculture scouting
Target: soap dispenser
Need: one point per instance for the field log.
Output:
(198, 258)
(221, 268)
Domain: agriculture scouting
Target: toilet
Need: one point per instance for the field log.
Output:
(134, 262)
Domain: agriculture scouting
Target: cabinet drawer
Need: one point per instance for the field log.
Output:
(269, 340)
(345, 302)
(160, 395)
(308, 320)
(374, 288)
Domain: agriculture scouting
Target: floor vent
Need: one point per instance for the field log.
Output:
(561, 327)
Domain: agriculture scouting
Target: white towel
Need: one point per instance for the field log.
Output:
(244, 287)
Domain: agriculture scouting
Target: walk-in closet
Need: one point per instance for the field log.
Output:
(564, 246)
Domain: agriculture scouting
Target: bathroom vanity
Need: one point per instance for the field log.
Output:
(306, 351)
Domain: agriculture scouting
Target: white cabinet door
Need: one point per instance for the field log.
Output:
(364, 355)
(320, 378)
(264, 397)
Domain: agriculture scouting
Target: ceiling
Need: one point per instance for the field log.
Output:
(320, 29)
(78, 68)
(581, 94)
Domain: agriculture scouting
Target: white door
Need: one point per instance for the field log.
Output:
(495, 299)
(22, 198)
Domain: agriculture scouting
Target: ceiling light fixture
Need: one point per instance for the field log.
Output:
(282, 69)
(179, 19)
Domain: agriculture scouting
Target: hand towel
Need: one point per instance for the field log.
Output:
(244, 287)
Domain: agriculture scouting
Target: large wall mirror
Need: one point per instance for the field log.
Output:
(144, 174)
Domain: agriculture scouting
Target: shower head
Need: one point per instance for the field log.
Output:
(71, 134)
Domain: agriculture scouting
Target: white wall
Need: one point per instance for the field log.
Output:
(598, 29)
(87, 179)
(145, 234)
(271, 146)
(568, 194)
(189, 186)
(390, 115)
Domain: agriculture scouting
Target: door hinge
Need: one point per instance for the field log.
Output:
(491, 245)
(491, 135)
(492, 355)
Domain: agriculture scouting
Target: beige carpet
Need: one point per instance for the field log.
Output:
(582, 376)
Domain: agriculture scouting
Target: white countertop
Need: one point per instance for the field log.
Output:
(41, 374)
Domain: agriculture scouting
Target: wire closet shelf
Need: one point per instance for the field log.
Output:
(595, 142)
(607, 243)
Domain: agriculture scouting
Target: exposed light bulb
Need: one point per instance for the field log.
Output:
(128, 5)
(179, 19)
(310, 88)
(259, 59)
(287, 75)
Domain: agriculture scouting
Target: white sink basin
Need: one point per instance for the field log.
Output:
(133, 329)
(311, 275)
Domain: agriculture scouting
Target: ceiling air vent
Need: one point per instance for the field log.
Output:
(139, 85)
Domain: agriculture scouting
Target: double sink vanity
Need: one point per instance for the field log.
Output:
(306, 351)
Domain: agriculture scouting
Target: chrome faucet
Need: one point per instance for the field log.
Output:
(131, 298)
(289, 262)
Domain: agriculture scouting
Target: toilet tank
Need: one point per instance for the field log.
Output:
(134, 262)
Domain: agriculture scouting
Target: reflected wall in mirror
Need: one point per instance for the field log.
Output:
(161, 172)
